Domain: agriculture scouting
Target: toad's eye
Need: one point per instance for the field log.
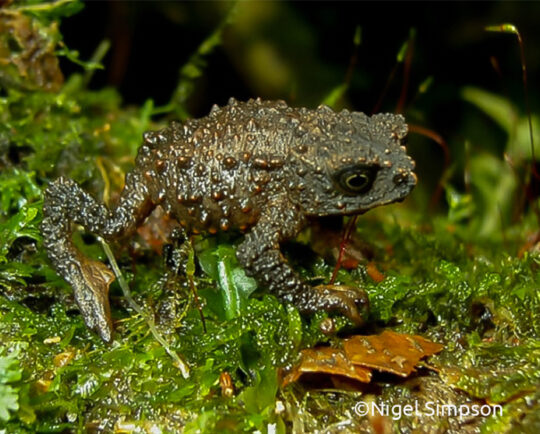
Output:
(357, 179)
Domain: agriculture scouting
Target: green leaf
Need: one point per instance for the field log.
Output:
(15, 272)
(507, 116)
(17, 188)
(460, 206)
(261, 396)
(9, 401)
(10, 372)
(221, 264)
(335, 95)
(9, 368)
(52, 10)
(502, 111)
(22, 224)
(494, 185)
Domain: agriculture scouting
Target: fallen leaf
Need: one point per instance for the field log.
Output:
(327, 360)
(389, 352)
(157, 229)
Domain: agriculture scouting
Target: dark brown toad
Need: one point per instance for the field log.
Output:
(260, 167)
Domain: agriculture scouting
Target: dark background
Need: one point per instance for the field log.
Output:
(151, 40)
(312, 43)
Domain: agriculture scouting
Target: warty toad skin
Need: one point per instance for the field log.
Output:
(260, 167)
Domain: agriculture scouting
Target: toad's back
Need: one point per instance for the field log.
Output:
(216, 173)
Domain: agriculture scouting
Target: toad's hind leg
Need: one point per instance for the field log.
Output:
(66, 203)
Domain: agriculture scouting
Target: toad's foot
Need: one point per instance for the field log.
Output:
(66, 203)
(91, 281)
(351, 302)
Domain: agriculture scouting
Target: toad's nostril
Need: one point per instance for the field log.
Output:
(400, 178)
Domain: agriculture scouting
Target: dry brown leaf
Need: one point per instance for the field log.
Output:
(390, 351)
(326, 360)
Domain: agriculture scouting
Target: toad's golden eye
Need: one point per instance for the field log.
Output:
(357, 179)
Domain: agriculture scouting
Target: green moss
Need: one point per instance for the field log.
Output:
(457, 280)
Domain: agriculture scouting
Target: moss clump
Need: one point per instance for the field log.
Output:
(457, 279)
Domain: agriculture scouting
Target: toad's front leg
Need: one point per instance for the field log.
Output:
(261, 257)
(66, 203)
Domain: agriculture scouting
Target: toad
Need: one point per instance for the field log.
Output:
(259, 167)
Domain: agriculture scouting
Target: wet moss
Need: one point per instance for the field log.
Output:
(456, 279)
